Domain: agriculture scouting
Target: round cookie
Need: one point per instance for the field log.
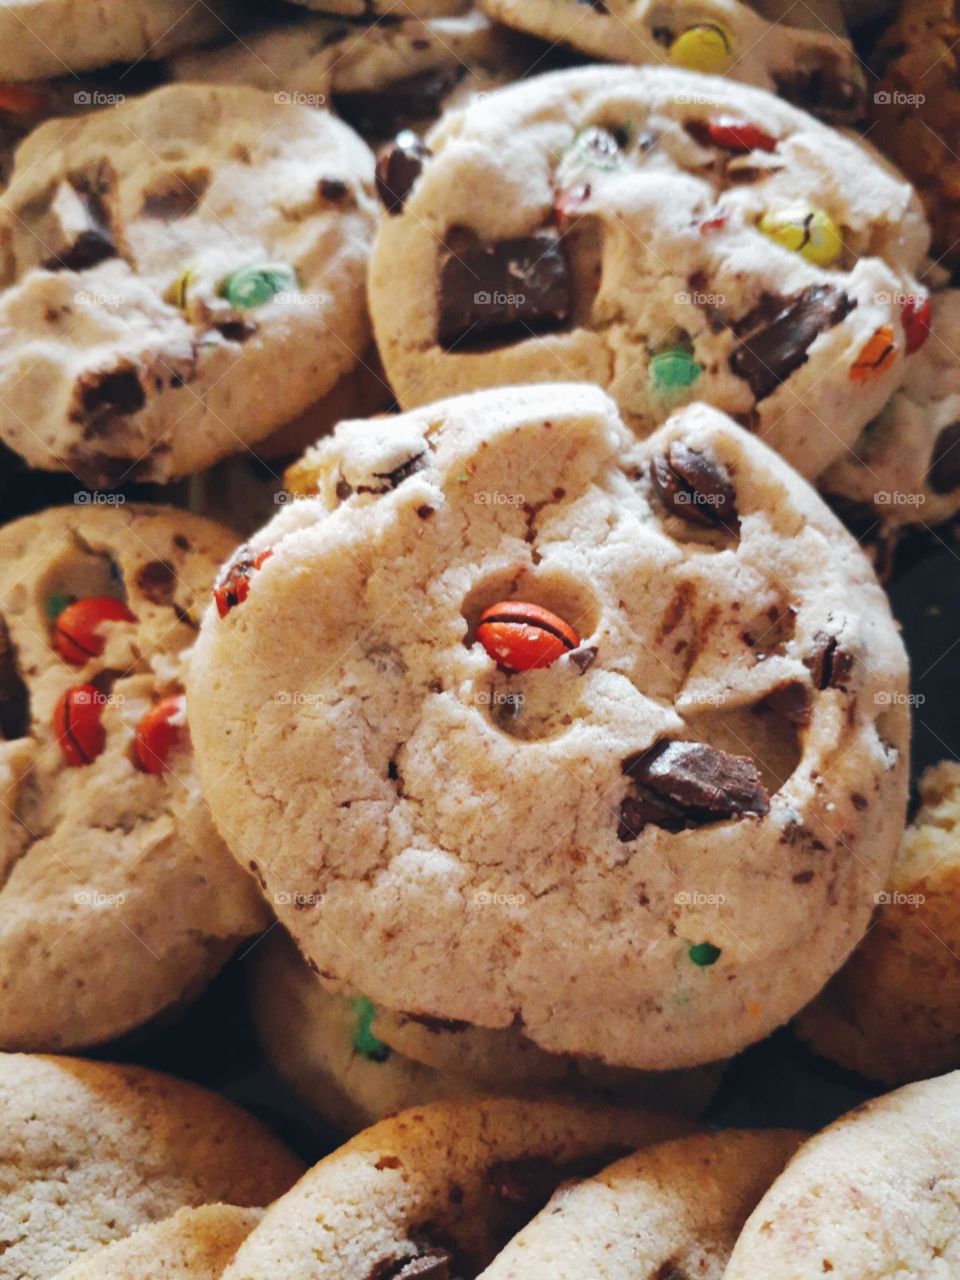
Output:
(872, 1195)
(90, 1151)
(668, 237)
(338, 1054)
(195, 1244)
(44, 38)
(652, 850)
(671, 1210)
(163, 259)
(445, 1184)
(906, 464)
(103, 826)
(914, 111)
(785, 48)
(891, 1012)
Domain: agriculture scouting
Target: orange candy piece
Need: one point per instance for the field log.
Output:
(524, 637)
(77, 724)
(76, 632)
(875, 356)
(157, 736)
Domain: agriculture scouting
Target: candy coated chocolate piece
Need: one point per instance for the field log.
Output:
(810, 232)
(706, 48)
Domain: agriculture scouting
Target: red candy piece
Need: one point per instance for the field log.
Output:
(234, 584)
(76, 722)
(76, 632)
(523, 637)
(18, 100)
(739, 135)
(915, 318)
(157, 736)
(716, 222)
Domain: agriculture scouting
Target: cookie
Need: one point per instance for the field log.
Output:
(671, 1210)
(338, 1054)
(45, 38)
(195, 1244)
(669, 238)
(90, 1151)
(782, 47)
(163, 259)
(891, 1012)
(905, 467)
(543, 726)
(869, 1196)
(914, 111)
(103, 826)
(436, 1187)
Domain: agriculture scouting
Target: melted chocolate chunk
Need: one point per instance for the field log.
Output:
(775, 336)
(824, 90)
(829, 664)
(111, 392)
(157, 580)
(584, 657)
(399, 165)
(944, 473)
(689, 784)
(504, 290)
(14, 696)
(333, 190)
(393, 479)
(694, 487)
(399, 105)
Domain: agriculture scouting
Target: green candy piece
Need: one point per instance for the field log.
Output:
(704, 953)
(365, 1043)
(253, 286)
(672, 372)
(56, 604)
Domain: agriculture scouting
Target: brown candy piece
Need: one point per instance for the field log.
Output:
(694, 487)
(399, 165)
(504, 289)
(944, 473)
(776, 335)
(829, 664)
(688, 784)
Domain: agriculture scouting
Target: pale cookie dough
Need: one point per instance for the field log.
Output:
(787, 48)
(445, 1185)
(118, 899)
(872, 1195)
(43, 38)
(162, 261)
(328, 1049)
(646, 229)
(653, 851)
(195, 1244)
(90, 1151)
(892, 1012)
(672, 1211)
(906, 463)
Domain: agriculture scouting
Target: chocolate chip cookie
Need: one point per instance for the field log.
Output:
(437, 1190)
(523, 722)
(872, 1195)
(162, 259)
(103, 829)
(669, 238)
(792, 50)
(90, 1151)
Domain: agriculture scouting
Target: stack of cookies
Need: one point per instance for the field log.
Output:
(457, 463)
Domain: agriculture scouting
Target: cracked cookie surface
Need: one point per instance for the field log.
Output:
(652, 851)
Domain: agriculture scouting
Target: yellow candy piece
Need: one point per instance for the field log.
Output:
(705, 48)
(176, 295)
(809, 232)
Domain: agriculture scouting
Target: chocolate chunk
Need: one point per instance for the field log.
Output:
(638, 811)
(503, 290)
(829, 664)
(175, 195)
(399, 165)
(824, 90)
(399, 105)
(670, 1270)
(436, 1025)
(944, 473)
(157, 580)
(688, 784)
(584, 658)
(694, 487)
(775, 336)
(792, 701)
(111, 392)
(393, 479)
(333, 190)
(14, 696)
(432, 1261)
(528, 1183)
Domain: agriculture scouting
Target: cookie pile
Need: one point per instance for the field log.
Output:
(457, 463)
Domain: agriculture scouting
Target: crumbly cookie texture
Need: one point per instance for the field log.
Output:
(789, 51)
(43, 38)
(914, 110)
(891, 1012)
(669, 237)
(118, 899)
(162, 259)
(869, 1196)
(194, 1244)
(90, 1151)
(675, 1209)
(445, 1185)
(653, 850)
(345, 1057)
